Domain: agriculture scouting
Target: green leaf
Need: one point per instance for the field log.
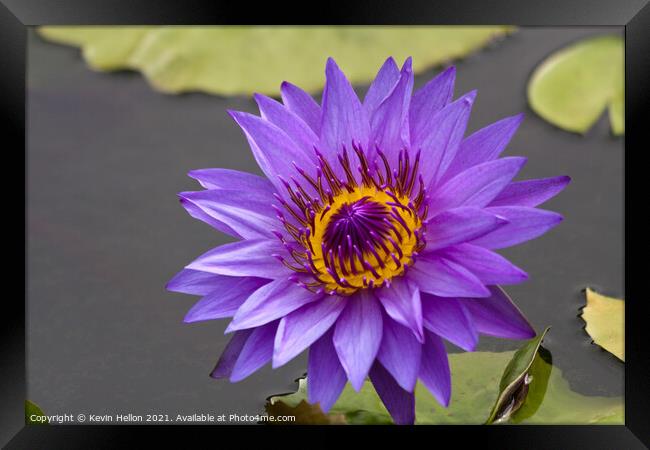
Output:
(550, 400)
(475, 390)
(515, 381)
(605, 321)
(573, 86)
(244, 59)
(31, 411)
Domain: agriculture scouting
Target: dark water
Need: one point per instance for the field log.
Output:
(106, 157)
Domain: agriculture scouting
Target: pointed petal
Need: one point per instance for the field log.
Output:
(401, 301)
(476, 186)
(275, 152)
(381, 86)
(344, 119)
(484, 145)
(232, 179)
(488, 266)
(357, 336)
(400, 354)
(196, 282)
(430, 99)
(251, 217)
(523, 225)
(434, 369)
(399, 403)
(530, 192)
(228, 358)
(389, 125)
(276, 113)
(199, 213)
(256, 352)
(252, 258)
(444, 278)
(225, 301)
(440, 140)
(301, 104)
(325, 376)
(270, 302)
(299, 329)
(498, 316)
(459, 225)
(448, 318)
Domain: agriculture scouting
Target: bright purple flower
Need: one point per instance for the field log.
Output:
(370, 240)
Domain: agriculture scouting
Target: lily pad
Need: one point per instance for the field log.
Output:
(605, 321)
(244, 59)
(32, 410)
(573, 86)
(475, 390)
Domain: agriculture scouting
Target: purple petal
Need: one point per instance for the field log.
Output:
(440, 140)
(400, 354)
(344, 119)
(252, 258)
(251, 217)
(325, 376)
(399, 403)
(299, 329)
(389, 125)
(199, 213)
(444, 278)
(401, 301)
(276, 113)
(459, 225)
(301, 104)
(484, 145)
(357, 336)
(523, 225)
(448, 318)
(489, 267)
(274, 151)
(498, 316)
(530, 192)
(229, 356)
(270, 302)
(434, 369)
(232, 179)
(476, 186)
(195, 282)
(256, 352)
(430, 99)
(381, 86)
(225, 301)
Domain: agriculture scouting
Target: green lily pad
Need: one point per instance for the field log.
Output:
(244, 59)
(605, 321)
(475, 390)
(573, 86)
(32, 410)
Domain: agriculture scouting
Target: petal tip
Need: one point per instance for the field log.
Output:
(232, 326)
(189, 317)
(408, 65)
(216, 374)
(234, 378)
(470, 97)
(331, 65)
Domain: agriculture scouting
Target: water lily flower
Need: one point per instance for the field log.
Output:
(370, 240)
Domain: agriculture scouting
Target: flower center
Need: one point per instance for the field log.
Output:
(355, 234)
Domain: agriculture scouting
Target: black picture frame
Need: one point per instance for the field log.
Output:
(633, 15)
